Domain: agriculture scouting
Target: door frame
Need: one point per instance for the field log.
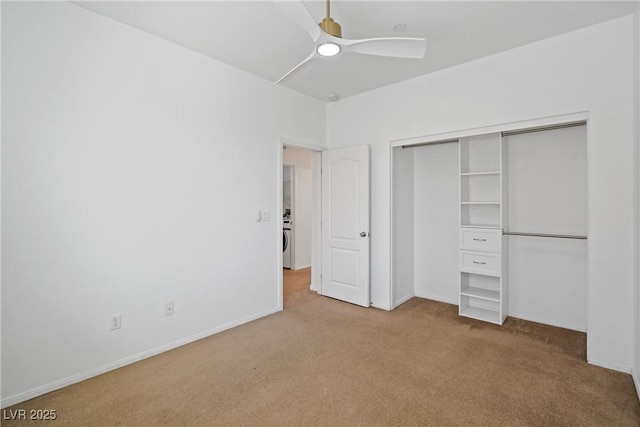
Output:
(316, 242)
(293, 213)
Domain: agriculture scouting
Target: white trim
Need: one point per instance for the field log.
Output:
(544, 321)
(301, 267)
(524, 124)
(625, 369)
(290, 142)
(292, 241)
(316, 247)
(382, 307)
(316, 219)
(279, 227)
(636, 205)
(38, 391)
(392, 283)
(401, 301)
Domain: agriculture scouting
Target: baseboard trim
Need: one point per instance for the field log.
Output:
(437, 298)
(382, 307)
(401, 301)
(618, 368)
(56, 385)
(300, 267)
(636, 381)
(537, 319)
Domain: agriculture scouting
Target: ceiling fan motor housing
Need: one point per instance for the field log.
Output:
(330, 26)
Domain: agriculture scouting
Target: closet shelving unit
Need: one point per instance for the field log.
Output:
(483, 279)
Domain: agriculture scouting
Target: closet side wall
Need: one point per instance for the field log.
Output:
(403, 220)
(436, 222)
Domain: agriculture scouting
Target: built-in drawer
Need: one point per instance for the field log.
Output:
(478, 239)
(486, 263)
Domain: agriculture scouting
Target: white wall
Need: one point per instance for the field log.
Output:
(586, 70)
(132, 171)
(403, 221)
(302, 213)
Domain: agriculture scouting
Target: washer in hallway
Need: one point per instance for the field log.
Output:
(287, 234)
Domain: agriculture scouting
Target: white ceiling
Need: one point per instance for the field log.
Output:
(256, 36)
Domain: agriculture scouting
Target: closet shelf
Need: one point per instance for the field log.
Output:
(482, 286)
(481, 293)
(488, 226)
(481, 314)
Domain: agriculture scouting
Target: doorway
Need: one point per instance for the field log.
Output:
(300, 218)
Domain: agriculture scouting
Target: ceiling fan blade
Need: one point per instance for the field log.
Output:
(298, 13)
(300, 66)
(396, 47)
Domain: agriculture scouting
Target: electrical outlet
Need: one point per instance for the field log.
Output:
(116, 321)
(168, 308)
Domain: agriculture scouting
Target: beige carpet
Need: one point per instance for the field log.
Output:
(325, 362)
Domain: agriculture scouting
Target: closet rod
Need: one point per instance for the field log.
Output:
(543, 128)
(420, 144)
(556, 236)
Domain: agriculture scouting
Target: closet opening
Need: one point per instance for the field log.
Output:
(495, 223)
(425, 222)
(547, 225)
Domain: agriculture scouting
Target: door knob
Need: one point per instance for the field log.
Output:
(363, 234)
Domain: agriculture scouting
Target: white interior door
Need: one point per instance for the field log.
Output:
(345, 224)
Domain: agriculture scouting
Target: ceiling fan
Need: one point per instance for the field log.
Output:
(327, 37)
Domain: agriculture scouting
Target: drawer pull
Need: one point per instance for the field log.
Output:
(479, 262)
(479, 240)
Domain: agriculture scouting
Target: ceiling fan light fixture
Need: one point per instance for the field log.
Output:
(328, 49)
(327, 38)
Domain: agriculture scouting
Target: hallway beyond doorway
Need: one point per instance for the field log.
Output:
(294, 282)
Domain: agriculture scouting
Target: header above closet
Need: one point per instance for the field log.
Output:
(506, 129)
(504, 133)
